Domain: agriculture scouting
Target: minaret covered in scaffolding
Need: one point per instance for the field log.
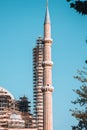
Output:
(38, 83)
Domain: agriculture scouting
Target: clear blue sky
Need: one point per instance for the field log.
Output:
(21, 22)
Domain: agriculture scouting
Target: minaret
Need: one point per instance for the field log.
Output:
(47, 88)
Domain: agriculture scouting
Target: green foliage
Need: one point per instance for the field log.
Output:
(81, 114)
(79, 5)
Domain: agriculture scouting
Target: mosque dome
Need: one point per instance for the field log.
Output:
(4, 92)
(15, 116)
(16, 121)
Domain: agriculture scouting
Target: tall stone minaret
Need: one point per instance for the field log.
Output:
(47, 74)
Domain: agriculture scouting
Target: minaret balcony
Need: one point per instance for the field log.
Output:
(47, 40)
(47, 63)
(47, 88)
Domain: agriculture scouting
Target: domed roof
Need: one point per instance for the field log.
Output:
(15, 116)
(3, 91)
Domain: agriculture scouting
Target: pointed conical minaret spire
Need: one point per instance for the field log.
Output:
(47, 16)
(47, 23)
(47, 73)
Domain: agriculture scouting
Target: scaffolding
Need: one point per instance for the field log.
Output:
(10, 115)
(6, 101)
(38, 83)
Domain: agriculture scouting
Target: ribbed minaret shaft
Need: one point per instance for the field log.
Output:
(47, 74)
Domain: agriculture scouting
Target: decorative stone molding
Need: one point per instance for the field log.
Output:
(47, 63)
(47, 88)
(48, 40)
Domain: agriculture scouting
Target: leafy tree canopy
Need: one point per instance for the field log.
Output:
(79, 5)
(81, 113)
